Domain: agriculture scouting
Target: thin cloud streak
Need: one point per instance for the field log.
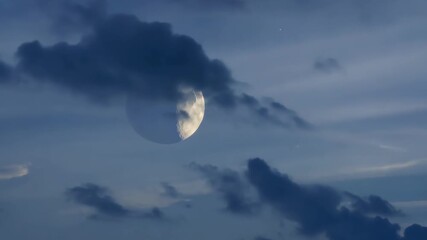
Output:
(389, 167)
(13, 171)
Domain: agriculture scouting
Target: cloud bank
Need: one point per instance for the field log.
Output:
(317, 209)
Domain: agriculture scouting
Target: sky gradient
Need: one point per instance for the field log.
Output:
(315, 123)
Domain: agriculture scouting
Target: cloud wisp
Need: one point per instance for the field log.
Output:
(321, 210)
(13, 171)
(105, 206)
(327, 65)
(170, 191)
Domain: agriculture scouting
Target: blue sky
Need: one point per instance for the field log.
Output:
(354, 70)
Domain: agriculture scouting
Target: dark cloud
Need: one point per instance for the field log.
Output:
(415, 232)
(317, 209)
(327, 65)
(72, 15)
(99, 199)
(313, 207)
(230, 185)
(273, 112)
(123, 56)
(170, 191)
(297, 120)
(373, 205)
(126, 56)
(5, 72)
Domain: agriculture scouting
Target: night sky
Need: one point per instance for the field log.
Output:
(315, 124)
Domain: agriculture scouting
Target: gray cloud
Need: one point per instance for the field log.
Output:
(126, 57)
(99, 199)
(5, 72)
(231, 186)
(170, 191)
(415, 232)
(317, 209)
(373, 205)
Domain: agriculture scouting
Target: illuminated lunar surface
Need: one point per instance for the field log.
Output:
(166, 122)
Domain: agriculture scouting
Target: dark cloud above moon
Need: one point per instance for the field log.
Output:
(123, 56)
(99, 199)
(317, 209)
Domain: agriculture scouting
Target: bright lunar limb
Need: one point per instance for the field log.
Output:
(166, 121)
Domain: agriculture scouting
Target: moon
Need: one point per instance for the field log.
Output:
(166, 121)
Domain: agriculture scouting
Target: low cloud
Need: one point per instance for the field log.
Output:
(13, 171)
(99, 199)
(318, 209)
(373, 205)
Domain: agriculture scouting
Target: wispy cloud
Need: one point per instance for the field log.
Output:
(391, 148)
(105, 205)
(389, 167)
(13, 171)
